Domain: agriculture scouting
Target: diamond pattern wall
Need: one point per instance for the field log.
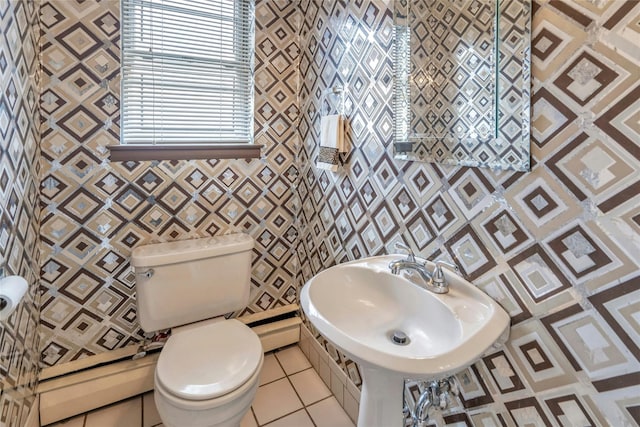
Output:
(19, 208)
(558, 247)
(95, 211)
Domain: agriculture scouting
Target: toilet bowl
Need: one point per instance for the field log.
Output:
(225, 411)
(209, 368)
(200, 384)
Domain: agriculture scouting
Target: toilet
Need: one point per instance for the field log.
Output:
(208, 371)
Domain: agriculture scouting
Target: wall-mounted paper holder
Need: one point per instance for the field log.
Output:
(12, 290)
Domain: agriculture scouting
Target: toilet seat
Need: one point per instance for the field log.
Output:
(208, 361)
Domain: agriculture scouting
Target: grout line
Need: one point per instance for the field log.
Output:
(313, 421)
(279, 418)
(304, 407)
(290, 383)
(308, 413)
(271, 382)
(310, 417)
(275, 353)
(254, 415)
(324, 398)
(299, 372)
(284, 374)
(296, 372)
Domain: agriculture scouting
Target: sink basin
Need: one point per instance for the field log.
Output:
(359, 305)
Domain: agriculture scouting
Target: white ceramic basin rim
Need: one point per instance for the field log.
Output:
(358, 305)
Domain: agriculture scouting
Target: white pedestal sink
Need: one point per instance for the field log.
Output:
(359, 305)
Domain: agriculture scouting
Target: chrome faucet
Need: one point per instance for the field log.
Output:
(438, 280)
(434, 282)
(410, 263)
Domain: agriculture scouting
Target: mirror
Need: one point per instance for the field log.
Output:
(462, 82)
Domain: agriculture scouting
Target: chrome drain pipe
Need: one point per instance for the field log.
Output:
(436, 394)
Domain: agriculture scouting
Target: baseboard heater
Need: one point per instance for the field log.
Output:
(80, 386)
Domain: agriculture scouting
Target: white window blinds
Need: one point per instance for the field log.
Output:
(187, 71)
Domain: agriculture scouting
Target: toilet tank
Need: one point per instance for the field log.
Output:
(191, 280)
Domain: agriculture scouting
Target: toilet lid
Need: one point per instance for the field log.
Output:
(209, 361)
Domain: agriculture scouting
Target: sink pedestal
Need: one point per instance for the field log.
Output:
(381, 399)
(394, 329)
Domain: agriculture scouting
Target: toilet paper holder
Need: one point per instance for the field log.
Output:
(12, 291)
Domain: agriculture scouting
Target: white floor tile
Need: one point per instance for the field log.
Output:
(127, 413)
(329, 413)
(292, 360)
(309, 386)
(150, 416)
(275, 400)
(71, 422)
(297, 419)
(248, 420)
(271, 369)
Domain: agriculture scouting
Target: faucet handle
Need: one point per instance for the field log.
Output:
(410, 255)
(438, 274)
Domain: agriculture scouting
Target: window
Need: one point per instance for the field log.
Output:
(187, 72)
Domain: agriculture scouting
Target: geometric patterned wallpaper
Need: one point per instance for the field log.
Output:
(558, 247)
(96, 211)
(19, 210)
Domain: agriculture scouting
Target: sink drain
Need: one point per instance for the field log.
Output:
(399, 338)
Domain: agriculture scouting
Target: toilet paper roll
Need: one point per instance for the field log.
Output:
(12, 289)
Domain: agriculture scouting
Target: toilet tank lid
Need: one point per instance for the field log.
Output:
(157, 254)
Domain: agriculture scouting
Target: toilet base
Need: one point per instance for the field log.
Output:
(223, 411)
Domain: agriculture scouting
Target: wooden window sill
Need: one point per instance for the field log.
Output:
(125, 153)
